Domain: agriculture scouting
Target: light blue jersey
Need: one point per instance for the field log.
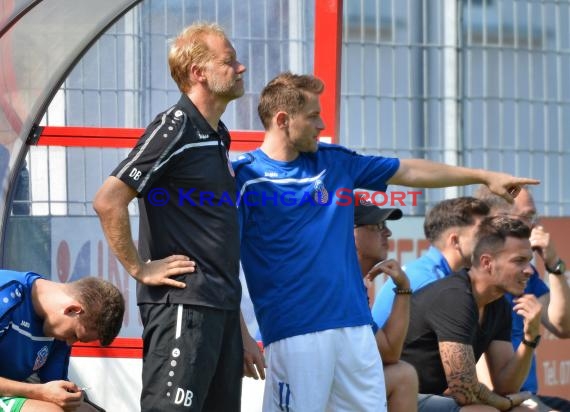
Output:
(297, 249)
(421, 272)
(24, 349)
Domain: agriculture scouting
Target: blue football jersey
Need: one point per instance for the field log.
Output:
(297, 251)
(24, 350)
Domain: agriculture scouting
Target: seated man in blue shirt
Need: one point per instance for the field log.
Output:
(39, 321)
(450, 227)
(555, 300)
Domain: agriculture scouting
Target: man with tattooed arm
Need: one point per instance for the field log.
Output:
(456, 319)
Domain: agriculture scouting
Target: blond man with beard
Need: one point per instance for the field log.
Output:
(187, 263)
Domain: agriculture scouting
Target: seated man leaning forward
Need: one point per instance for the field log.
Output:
(371, 238)
(453, 321)
(450, 227)
(39, 321)
(554, 295)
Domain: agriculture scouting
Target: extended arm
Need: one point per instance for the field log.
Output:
(111, 204)
(425, 173)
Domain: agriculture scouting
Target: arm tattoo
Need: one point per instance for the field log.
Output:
(488, 397)
(459, 365)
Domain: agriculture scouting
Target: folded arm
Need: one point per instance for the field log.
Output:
(508, 369)
(62, 393)
(556, 304)
(111, 204)
(390, 338)
(556, 317)
(459, 365)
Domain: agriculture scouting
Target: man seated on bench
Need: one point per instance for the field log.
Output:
(39, 321)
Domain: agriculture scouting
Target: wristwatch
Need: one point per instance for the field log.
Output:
(558, 269)
(533, 343)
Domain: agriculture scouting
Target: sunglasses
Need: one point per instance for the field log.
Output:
(378, 227)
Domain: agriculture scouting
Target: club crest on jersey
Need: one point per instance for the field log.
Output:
(320, 193)
(41, 358)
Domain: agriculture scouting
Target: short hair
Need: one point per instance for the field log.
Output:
(287, 92)
(495, 202)
(493, 232)
(456, 212)
(104, 306)
(189, 48)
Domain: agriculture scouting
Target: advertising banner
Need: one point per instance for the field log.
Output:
(79, 249)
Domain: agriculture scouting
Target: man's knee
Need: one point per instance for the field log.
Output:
(401, 375)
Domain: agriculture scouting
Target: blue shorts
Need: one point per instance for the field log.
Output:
(11, 404)
(436, 403)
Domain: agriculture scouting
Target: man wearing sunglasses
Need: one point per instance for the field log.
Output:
(371, 238)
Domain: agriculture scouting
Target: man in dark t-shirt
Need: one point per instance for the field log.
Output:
(455, 320)
(187, 263)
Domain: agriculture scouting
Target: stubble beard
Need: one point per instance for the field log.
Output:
(230, 90)
(305, 145)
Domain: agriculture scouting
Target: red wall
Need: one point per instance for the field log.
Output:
(553, 354)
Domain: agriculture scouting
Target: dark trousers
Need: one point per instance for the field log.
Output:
(559, 404)
(192, 359)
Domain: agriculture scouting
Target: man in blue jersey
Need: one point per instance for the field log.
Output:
(554, 299)
(450, 227)
(298, 253)
(39, 321)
